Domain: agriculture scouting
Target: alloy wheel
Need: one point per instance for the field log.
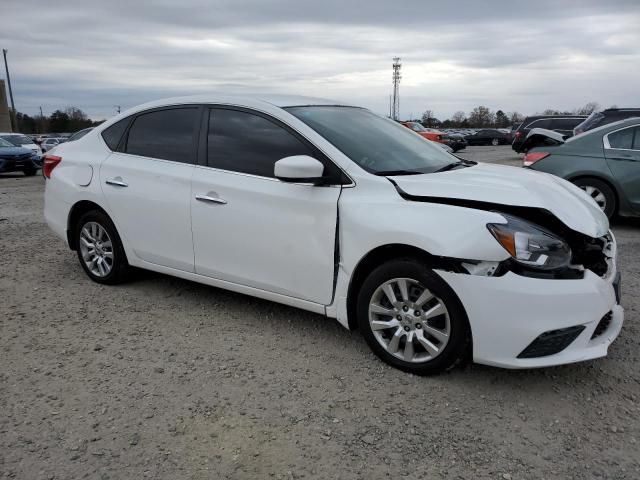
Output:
(596, 194)
(408, 321)
(96, 249)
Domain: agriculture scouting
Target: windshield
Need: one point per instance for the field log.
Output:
(376, 144)
(4, 143)
(17, 140)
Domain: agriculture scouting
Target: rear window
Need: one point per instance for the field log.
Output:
(17, 140)
(113, 134)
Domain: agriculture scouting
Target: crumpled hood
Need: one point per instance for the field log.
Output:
(512, 186)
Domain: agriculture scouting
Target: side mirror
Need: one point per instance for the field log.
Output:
(299, 169)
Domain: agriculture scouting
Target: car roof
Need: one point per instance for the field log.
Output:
(247, 99)
(538, 117)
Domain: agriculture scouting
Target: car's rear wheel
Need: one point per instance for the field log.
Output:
(601, 192)
(29, 172)
(100, 249)
(411, 318)
(495, 142)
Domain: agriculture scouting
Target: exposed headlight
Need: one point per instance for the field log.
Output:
(530, 244)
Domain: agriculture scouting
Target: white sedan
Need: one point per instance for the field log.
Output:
(333, 209)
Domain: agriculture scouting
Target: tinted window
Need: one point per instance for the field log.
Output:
(565, 123)
(113, 134)
(622, 138)
(165, 134)
(247, 143)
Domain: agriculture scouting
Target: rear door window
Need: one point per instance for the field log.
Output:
(565, 123)
(164, 134)
(540, 123)
(622, 139)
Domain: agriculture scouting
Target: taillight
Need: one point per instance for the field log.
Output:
(533, 157)
(49, 162)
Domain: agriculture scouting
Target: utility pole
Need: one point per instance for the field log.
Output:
(14, 118)
(117, 107)
(396, 88)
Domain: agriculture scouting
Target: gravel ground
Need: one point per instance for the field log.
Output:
(163, 378)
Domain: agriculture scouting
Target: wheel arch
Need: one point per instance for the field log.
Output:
(79, 209)
(382, 254)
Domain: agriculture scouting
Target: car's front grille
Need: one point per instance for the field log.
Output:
(551, 342)
(602, 326)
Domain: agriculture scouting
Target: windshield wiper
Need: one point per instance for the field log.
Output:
(450, 166)
(391, 173)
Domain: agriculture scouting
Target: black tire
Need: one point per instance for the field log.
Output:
(456, 349)
(29, 172)
(120, 270)
(610, 196)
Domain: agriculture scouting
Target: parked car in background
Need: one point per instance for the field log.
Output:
(18, 159)
(488, 136)
(604, 162)
(562, 124)
(455, 140)
(20, 140)
(610, 115)
(451, 273)
(79, 134)
(428, 133)
(48, 143)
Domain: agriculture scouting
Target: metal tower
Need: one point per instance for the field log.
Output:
(395, 109)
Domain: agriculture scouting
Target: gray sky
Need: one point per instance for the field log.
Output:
(514, 55)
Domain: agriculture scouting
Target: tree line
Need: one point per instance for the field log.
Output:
(71, 119)
(483, 117)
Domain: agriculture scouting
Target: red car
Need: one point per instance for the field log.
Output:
(428, 133)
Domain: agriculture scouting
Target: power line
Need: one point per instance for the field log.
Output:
(395, 109)
(14, 119)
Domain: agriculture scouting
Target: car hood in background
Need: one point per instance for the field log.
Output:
(14, 151)
(500, 184)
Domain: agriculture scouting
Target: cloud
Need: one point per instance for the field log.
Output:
(524, 56)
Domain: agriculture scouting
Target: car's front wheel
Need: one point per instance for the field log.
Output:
(411, 318)
(601, 192)
(100, 249)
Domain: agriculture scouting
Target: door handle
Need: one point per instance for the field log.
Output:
(207, 198)
(116, 182)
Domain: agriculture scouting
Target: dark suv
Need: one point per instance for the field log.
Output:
(610, 115)
(563, 124)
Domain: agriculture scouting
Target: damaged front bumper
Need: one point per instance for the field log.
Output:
(523, 322)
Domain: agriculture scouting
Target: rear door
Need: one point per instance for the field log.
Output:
(622, 150)
(147, 185)
(252, 229)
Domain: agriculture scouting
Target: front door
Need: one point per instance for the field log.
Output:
(622, 149)
(252, 229)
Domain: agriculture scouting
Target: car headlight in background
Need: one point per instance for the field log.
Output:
(530, 244)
